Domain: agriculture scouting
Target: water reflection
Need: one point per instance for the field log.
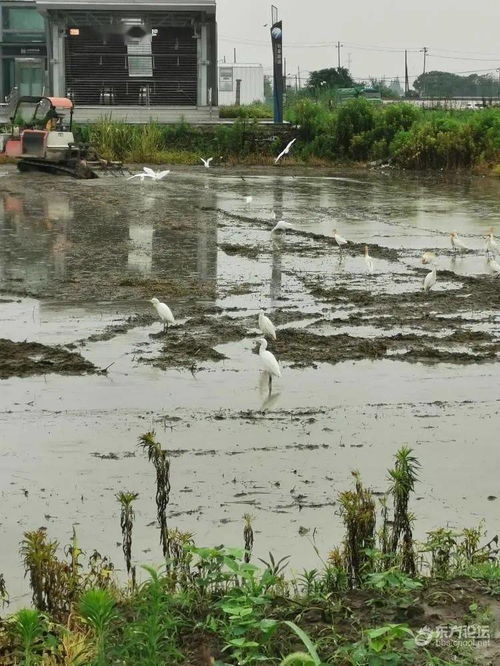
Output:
(82, 242)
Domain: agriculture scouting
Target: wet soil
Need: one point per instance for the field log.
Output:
(22, 359)
(438, 604)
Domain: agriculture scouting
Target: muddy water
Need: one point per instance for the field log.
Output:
(369, 362)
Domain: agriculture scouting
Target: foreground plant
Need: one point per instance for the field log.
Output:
(126, 523)
(97, 609)
(28, 626)
(403, 476)
(158, 457)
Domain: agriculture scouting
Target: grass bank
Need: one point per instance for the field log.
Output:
(356, 132)
(378, 598)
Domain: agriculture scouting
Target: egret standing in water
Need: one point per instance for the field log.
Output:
(268, 362)
(491, 244)
(456, 243)
(430, 278)
(164, 312)
(281, 226)
(494, 266)
(368, 260)
(266, 326)
(340, 240)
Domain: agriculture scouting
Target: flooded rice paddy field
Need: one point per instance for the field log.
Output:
(369, 361)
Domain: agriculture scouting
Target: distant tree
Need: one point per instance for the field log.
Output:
(395, 86)
(332, 78)
(381, 86)
(447, 84)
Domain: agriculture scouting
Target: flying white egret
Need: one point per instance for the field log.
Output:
(206, 163)
(266, 326)
(142, 176)
(494, 265)
(491, 244)
(281, 226)
(368, 260)
(430, 279)
(340, 240)
(285, 151)
(164, 312)
(456, 243)
(428, 257)
(156, 175)
(268, 362)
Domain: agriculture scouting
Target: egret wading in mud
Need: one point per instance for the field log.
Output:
(164, 312)
(491, 244)
(494, 266)
(340, 240)
(248, 200)
(268, 362)
(456, 243)
(430, 278)
(368, 260)
(285, 151)
(266, 326)
(206, 162)
(281, 226)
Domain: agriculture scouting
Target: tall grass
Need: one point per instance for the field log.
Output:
(356, 131)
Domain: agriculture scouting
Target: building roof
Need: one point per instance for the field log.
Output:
(107, 5)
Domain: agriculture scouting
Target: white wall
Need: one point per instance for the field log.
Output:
(252, 83)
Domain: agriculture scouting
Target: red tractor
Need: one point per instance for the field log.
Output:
(41, 137)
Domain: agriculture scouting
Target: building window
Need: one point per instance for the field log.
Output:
(140, 61)
(22, 25)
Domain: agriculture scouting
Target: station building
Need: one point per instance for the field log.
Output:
(128, 55)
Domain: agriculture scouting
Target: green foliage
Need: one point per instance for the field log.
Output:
(330, 78)
(392, 580)
(97, 609)
(311, 648)
(447, 84)
(357, 130)
(28, 626)
(391, 644)
(254, 110)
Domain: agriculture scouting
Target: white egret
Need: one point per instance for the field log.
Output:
(491, 244)
(428, 257)
(494, 265)
(456, 243)
(164, 312)
(430, 279)
(268, 362)
(368, 260)
(285, 151)
(266, 326)
(206, 163)
(281, 226)
(156, 175)
(340, 240)
(142, 176)
(248, 200)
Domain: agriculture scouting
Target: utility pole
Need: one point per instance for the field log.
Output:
(298, 75)
(407, 81)
(425, 51)
(498, 88)
(339, 46)
(349, 61)
(234, 56)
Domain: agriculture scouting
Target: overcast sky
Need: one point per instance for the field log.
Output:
(462, 36)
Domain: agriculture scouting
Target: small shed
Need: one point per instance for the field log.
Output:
(251, 77)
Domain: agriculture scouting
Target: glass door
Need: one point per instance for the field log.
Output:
(30, 76)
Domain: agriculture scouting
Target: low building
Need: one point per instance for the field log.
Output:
(141, 58)
(250, 87)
